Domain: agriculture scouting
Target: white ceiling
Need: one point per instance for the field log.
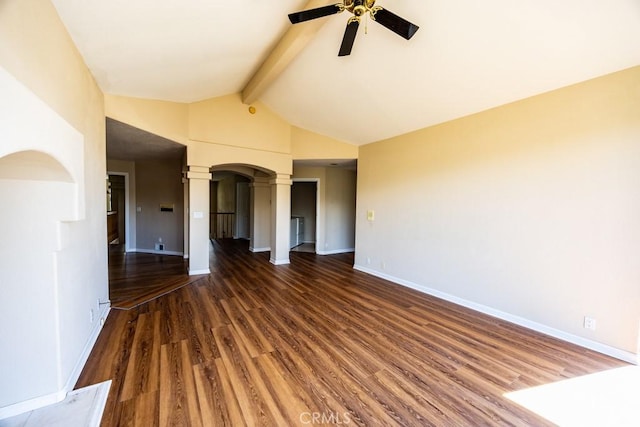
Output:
(468, 56)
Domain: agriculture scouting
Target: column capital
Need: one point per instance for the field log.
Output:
(281, 179)
(260, 182)
(198, 172)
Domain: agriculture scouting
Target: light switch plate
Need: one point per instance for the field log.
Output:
(370, 215)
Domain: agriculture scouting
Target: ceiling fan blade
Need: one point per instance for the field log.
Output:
(398, 25)
(318, 12)
(349, 37)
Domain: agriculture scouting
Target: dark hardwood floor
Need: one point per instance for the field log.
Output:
(136, 278)
(256, 344)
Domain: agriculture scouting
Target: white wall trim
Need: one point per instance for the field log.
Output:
(198, 272)
(86, 351)
(336, 251)
(60, 395)
(279, 261)
(153, 251)
(521, 321)
(267, 249)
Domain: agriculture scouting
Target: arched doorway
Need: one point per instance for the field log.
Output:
(241, 204)
(270, 175)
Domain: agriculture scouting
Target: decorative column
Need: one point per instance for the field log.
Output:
(199, 181)
(260, 217)
(280, 218)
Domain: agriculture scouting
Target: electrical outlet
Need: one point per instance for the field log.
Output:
(368, 260)
(91, 315)
(589, 323)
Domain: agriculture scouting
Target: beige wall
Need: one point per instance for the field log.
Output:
(260, 215)
(227, 121)
(308, 145)
(341, 210)
(166, 119)
(36, 49)
(530, 209)
(222, 131)
(157, 182)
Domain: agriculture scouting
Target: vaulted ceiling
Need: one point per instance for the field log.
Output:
(467, 56)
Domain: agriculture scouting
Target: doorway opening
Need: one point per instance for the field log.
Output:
(230, 206)
(117, 212)
(304, 215)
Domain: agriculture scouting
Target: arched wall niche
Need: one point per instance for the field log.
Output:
(52, 150)
(34, 166)
(42, 191)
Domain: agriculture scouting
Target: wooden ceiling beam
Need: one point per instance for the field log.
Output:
(285, 51)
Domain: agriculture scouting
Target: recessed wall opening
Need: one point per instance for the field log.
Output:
(117, 210)
(31, 228)
(304, 214)
(229, 200)
(240, 205)
(145, 200)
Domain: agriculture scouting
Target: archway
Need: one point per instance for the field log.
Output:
(270, 191)
(250, 204)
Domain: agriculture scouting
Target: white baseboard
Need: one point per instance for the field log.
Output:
(521, 321)
(279, 261)
(86, 351)
(59, 396)
(267, 249)
(197, 272)
(336, 251)
(153, 251)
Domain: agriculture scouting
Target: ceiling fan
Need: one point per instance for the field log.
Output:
(359, 8)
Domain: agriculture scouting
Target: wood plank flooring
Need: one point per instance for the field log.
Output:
(316, 342)
(136, 278)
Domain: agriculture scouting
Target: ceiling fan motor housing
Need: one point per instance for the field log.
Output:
(359, 7)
